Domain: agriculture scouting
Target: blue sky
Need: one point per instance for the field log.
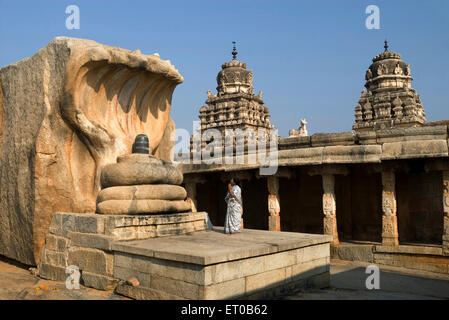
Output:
(308, 57)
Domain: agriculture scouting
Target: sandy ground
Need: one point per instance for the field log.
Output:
(18, 283)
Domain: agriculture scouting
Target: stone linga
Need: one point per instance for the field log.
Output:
(139, 183)
(65, 113)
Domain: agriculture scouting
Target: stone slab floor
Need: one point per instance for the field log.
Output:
(347, 282)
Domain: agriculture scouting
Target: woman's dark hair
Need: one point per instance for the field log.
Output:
(236, 181)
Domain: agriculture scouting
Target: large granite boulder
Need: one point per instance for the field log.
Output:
(65, 113)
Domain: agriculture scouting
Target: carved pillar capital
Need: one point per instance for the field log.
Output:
(329, 169)
(273, 185)
(328, 183)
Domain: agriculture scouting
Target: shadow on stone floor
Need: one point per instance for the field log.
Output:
(348, 283)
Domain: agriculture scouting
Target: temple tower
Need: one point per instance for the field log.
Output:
(235, 106)
(389, 100)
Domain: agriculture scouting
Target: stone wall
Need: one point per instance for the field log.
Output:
(85, 241)
(423, 258)
(256, 278)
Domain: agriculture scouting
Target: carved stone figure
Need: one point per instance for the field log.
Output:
(139, 183)
(407, 73)
(398, 70)
(368, 74)
(302, 131)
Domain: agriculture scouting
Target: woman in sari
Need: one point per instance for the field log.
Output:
(233, 220)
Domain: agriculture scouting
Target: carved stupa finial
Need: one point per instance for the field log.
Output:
(234, 51)
(386, 46)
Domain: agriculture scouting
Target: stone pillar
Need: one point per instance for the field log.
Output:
(191, 194)
(274, 208)
(446, 212)
(389, 218)
(330, 207)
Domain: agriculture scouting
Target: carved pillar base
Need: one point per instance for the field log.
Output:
(274, 223)
(330, 227)
(390, 235)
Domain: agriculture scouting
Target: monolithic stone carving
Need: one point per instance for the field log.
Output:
(139, 183)
(67, 111)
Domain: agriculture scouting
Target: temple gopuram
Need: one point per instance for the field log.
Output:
(235, 106)
(389, 100)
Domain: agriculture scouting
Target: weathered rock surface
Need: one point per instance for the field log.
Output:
(138, 173)
(67, 111)
(130, 207)
(141, 192)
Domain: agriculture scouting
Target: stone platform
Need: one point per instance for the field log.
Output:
(429, 258)
(213, 265)
(181, 256)
(85, 240)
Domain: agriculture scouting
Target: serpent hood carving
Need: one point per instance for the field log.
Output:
(66, 112)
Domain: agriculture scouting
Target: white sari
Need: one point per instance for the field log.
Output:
(233, 220)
